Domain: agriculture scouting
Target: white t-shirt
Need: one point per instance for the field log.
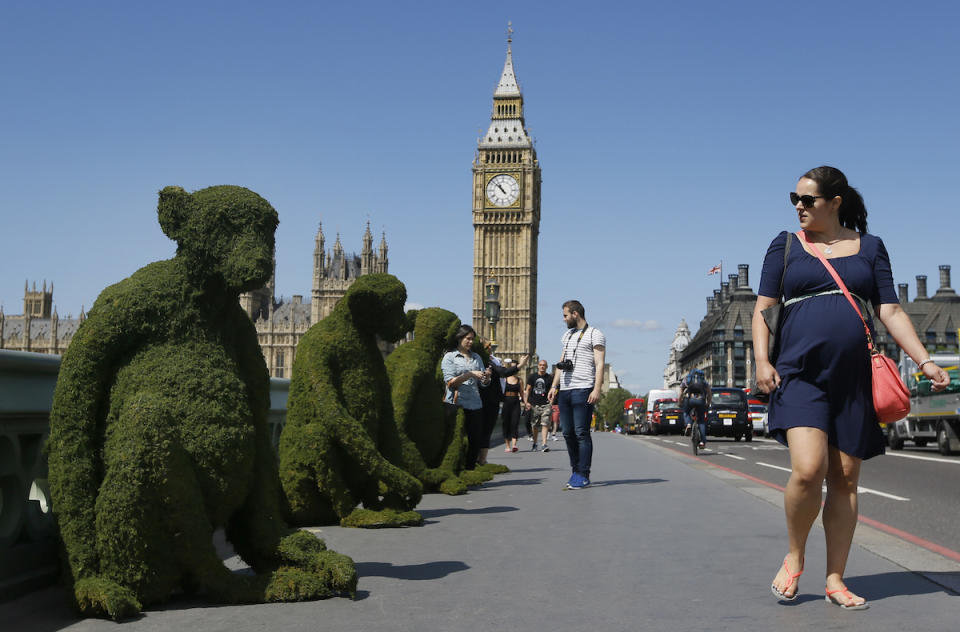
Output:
(580, 349)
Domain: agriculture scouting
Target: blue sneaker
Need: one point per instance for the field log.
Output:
(571, 481)
(580, 483)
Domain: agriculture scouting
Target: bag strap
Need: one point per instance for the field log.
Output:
(783, 273)
(836, 277)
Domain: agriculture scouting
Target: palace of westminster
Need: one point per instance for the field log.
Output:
(506, 220)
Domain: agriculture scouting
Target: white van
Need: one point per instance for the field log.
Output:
(653, 396)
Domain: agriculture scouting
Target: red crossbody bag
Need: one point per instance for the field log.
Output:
(891, 399)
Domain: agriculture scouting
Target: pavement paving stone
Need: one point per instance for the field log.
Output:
(656, 543)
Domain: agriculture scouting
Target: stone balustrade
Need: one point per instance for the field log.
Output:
(28, 546)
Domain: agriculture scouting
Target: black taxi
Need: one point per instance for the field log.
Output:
(729, 414)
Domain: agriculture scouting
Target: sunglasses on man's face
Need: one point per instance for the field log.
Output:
(807, 200)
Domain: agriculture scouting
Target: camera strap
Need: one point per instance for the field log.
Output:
(576, 346)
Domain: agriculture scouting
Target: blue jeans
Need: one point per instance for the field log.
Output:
(701, 410)
(575, 415)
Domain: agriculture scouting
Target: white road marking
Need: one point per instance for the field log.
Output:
(862, 490)
(924, 458)
(775, 467)
(733, 456)
(867, 490)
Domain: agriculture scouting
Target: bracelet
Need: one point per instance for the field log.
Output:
(920, 366)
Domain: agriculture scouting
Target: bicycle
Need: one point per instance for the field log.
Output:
(695, 438)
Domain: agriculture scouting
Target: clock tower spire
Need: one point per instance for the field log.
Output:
(506, 218)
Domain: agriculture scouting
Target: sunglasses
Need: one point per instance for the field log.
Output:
(807, 200)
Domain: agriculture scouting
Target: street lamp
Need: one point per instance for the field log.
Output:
(491, 309)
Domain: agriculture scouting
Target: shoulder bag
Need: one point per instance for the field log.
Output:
(891, 399)
(771, 315)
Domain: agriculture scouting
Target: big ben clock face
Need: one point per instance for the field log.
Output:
(503, 190)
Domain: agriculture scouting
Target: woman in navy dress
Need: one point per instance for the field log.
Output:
(821, 404)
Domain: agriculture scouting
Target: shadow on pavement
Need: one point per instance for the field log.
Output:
(429, 570)
(534, 469)
(895, 584)
(450, 511)
(628, 481)
(513, 483)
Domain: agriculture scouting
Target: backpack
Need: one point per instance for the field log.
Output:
(697, 383)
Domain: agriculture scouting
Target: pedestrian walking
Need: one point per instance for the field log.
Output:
(819, 377)
(465, 377)
(540, 408)
(514, 400)
(576, 388)
(492, 397)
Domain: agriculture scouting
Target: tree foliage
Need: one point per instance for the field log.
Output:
(610, 406)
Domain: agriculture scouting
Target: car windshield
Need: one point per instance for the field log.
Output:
(727, 398)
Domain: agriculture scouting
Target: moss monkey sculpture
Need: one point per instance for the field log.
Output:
(435, 451)
(158, 430)
(340, 446)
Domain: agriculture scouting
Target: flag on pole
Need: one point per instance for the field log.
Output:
(715, 270)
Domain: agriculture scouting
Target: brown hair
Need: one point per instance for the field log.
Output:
(575, 306)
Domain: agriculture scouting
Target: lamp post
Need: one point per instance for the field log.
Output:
(491, 309)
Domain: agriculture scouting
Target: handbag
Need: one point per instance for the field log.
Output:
(771, 315)
(891, 399)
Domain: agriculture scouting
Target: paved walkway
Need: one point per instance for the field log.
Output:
(661, 541)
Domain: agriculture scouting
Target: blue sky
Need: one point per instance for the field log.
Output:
(668, 133)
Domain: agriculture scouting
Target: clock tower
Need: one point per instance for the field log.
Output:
(506, 220)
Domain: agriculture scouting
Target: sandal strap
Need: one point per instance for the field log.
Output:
(793, 576)
(846, 593)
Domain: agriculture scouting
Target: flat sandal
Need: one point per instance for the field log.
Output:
(794, 579)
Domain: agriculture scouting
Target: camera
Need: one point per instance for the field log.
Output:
(564, 365)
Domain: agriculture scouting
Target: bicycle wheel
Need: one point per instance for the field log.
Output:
(695, 434)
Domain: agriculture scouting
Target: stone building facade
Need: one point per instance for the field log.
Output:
(39, 329)
(723, 344)
(280, 326)
(506, 220)
(681, 339)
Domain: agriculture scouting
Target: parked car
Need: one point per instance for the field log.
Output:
(758, 417)
(667, 417)
(729, 414)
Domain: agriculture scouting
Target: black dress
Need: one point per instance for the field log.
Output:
(822, 353)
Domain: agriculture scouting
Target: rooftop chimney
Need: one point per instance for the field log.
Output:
(733, 280)
(717, 299)
(921, 286)
(744, 280)
(724, 291)
(944, 277)
(298, 299)
(904, 293)
(709, 304)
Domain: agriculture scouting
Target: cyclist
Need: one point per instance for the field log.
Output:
(694, 395)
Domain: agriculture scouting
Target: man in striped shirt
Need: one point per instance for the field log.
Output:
(576, 387)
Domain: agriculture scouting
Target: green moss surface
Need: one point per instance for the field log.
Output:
(341, 447)
(435, 450)
(158, 429)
